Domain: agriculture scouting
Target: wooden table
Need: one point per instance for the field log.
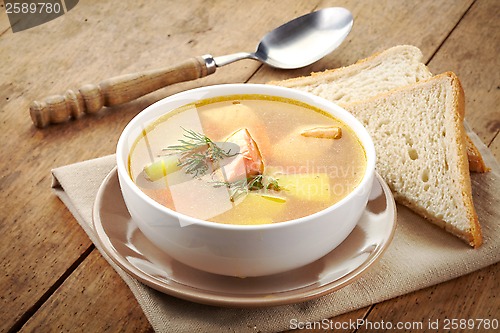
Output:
(52, 278)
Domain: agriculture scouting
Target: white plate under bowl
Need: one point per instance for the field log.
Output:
(121, 239)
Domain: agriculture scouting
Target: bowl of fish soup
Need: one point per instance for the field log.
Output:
(244, 179)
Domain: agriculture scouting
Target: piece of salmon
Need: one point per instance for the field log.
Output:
(248, 162)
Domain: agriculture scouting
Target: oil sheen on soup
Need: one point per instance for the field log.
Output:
(247, 159)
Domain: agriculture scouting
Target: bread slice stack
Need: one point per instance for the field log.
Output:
(420, 142)
(416, 122)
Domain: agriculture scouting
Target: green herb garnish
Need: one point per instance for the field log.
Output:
(197, 151)
(241, 187)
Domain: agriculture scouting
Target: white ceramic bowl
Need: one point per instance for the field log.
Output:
(243, 250)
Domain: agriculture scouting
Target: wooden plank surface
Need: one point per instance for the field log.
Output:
(91, 294)
(94, 41)
(472, 52)
(52, 278)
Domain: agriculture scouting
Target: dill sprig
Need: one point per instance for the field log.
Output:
(236, 188)
(196, 152)
(243, 187)
(273, 184)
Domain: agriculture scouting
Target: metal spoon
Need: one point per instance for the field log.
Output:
(301, 41)
(295, 44)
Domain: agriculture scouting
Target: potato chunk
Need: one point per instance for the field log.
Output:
(255, 208)
(306, 186)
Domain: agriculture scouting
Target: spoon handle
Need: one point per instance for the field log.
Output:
(114, 91)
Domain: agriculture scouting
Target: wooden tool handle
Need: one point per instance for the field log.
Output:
(91, 98)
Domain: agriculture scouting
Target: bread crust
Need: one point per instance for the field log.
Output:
(476, 162)
(353, 67)
(475, 237)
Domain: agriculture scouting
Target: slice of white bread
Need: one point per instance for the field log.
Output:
(395, 67)
(421, 153)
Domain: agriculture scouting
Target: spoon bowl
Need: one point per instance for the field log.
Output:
(299, 42)
(306, 39)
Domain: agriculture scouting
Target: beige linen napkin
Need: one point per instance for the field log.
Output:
(420, 255)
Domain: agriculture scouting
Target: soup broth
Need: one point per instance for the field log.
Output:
(249, 159)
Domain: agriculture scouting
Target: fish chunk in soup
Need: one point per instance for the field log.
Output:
(276, 160)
